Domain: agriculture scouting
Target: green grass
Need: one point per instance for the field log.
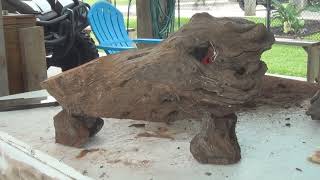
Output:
(286, 60)
(274, 23)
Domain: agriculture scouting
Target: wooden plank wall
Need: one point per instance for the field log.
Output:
(12, 24)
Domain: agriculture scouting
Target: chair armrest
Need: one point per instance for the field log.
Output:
(147, 41)
(112, 48)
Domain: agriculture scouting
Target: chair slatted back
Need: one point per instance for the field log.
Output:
(108, 26)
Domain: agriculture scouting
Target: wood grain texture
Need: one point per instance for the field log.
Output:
(33, 54)
(169, 82)
(144, 23)
(314, 109)
(12, 24)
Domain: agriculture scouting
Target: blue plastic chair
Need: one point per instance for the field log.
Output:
(107, 24)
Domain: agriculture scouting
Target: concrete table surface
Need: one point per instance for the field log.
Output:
(275, 145)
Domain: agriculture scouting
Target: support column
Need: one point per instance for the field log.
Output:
(250, 7)
(4, 87)
(144, 21)
(144, 24)
(313, 64)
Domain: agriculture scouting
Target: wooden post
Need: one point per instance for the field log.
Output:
(317, 57)
(12, 24)
(4, 86)
(33, 56)
(144, 24)
(313, 64)
(250, 7)
(144, 21)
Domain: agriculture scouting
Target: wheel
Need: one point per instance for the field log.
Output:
(83, 51)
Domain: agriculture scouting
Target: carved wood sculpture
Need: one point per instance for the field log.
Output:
(203, 71)
(314, 109)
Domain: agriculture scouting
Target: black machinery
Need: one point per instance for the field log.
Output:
(64, 21)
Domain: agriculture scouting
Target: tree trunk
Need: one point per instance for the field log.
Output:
(204, 71)
(250, 7)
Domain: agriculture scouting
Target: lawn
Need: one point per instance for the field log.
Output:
(286, 60)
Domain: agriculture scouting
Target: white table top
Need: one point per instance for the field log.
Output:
(270, 149)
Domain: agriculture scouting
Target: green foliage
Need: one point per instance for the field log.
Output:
(288, 14)
(313, 6)
(314, 2)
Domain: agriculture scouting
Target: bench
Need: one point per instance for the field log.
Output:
(313, 50)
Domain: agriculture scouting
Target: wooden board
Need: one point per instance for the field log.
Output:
(144, 26)
(313, 65)
(144, 21)
(4, 88)
(296, 42)
(12, 24)
(21, 161)
(33, 56)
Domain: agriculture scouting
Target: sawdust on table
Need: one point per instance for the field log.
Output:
(162, 132)
(85, 152)
(315, 158)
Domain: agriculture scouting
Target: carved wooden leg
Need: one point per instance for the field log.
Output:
(75, 130)
(314, 109)
(217, 142)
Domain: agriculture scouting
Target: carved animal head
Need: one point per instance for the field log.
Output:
(218, 57)
(235, 66)
(209, 62)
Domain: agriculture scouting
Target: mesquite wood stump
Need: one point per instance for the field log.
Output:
(314, 109)
(204, 71)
